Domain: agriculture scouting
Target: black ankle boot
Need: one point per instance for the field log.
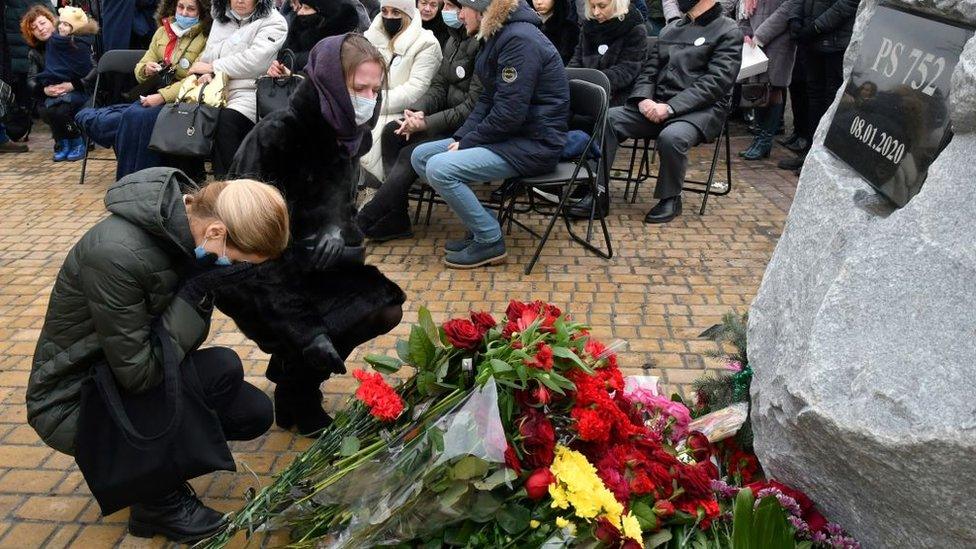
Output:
(180, 516)
(665, 210)
(301, 407)
(581, 208)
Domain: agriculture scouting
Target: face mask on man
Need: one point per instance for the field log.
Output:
(451, 19)
(686, 5)
(364, 108)
(392, 26)
(184, 22)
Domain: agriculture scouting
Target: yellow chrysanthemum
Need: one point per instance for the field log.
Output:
(631, 529)
(561, 522)
(534, 523)
(578, 486)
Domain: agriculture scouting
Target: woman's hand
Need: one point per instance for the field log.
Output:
(278, 69)
(453, 146)
(204, 79)
(199, 67)
(150, 69)
(153, 100)
(54, 90)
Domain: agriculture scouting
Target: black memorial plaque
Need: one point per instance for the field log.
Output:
(893, 119)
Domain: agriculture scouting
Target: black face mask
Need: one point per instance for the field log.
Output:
(392, 26)
(686, 5)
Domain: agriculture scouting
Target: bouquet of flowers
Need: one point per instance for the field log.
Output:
(515, 432)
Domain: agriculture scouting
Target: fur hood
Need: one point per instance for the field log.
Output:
(167, 8)
(500, 12)
(261, 9)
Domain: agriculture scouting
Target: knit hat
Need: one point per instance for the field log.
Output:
(73, 16)
(408, 7)
(477, 5)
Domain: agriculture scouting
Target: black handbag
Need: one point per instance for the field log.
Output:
(121, 465)
(185, 129)
(273, 92)
(755, 93)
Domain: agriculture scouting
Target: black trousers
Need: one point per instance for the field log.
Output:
(61, 118)
(232, 128)
(799, 102)
(245, 412)
(673, 142)
(825, 74)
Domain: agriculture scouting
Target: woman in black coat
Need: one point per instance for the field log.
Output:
(313, 21)
(310, 309)
(613, 41)
(559, 24)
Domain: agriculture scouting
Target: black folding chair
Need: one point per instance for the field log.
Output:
(114, 61)
(590, 100)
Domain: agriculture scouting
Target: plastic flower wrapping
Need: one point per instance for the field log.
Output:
(521, 431)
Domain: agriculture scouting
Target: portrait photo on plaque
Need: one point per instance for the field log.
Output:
(893, 119)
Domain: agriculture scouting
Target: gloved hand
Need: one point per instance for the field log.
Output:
(321, 355)
(198, 287)
(327, 250)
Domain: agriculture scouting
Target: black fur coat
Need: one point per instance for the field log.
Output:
(287, 303)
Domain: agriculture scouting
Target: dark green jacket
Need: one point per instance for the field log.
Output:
(455, 89)
(121, 275)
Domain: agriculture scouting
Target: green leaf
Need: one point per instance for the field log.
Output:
(427, 323)
(513, 518)
(742, 520)
(645, 516)
(496, 479)
(436, 438)
(771, 527)
(484, 506)
(349, 446)
(383, 363)
(565, 352)
(452, 496)
(420, 348)
(426, 383)
(459, 535)
(403, 350)
(500, 366)
(657, 540)
(470, 467)
(548, 382)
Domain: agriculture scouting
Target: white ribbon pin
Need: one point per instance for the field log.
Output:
(602, 49)
(700, 41)
(460, 72)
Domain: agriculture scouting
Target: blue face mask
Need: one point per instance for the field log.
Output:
(364, 108)
(202, 252)
(185, 22)
(451, 19)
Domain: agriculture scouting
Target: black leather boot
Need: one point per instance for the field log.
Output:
(581, 208)
(180, 516)
(300, 406)
(665, 210)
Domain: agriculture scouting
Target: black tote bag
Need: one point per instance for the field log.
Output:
(122, 465)
(185, 129)
(273, 92)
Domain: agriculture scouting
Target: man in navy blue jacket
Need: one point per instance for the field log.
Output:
(517, 128)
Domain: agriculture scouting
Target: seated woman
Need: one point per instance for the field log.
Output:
(154, 258)
(442, 110)
(179, 40)
(60, 66)
(244, 40)
(313, 20)
(613, 41)
(320, 301)
(559, 24)
(413, 55)
(430, 15)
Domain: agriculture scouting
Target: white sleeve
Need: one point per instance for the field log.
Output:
(254, 60)
(427, 62)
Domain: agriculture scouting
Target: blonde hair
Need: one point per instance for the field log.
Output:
(255, 214)
(620, 9)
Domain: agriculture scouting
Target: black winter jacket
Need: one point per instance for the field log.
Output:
(833, 21)
(119, 277)
(16, 49)
(304, 31)
(693, 68)
(455, 89)
(615, 47)
(562, 29)
(521, 114)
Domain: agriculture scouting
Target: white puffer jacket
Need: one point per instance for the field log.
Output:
(244, 50)
(413, 60)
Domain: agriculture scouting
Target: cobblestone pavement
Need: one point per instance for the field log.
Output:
(664, 285)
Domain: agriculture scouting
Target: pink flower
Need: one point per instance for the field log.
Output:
(668, 410)
(734, 365)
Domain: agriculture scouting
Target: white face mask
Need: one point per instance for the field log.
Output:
(364, 108)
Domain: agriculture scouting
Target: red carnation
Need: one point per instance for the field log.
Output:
(463, 334)
(694, 479)
(512, 460)
(591, 425)
(743, 464)
(663, 508)
(483, 321)
(541, 395)
(383, 402)
(538, 439)
(514, 310)
(543, 358)
(537, 485)
(700, 448)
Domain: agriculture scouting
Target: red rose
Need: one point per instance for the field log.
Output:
(463, 334)
(537, 485)
(694, 479)
(710, 468)
(701, 449)
(543, 358)
(663, 508)
(512, 460)
(483, 321)
(538, 439)
(514, 310)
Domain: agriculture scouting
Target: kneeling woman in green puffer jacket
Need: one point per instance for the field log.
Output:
(156, 260)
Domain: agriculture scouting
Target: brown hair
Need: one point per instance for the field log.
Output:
(255, 214)
(356, 50)
(167, 8)
(28, 19)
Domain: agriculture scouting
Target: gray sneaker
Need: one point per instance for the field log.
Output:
(459, 244)
(477, 254)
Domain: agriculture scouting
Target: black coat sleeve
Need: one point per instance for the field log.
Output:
(576, 61)
(623, 74)
(435, 99)
(647, 79)
(836, 15)
(717, 82)
(446, 120)
(568, 41)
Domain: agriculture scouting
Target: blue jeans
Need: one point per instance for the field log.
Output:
(450, 173)
(3, 134)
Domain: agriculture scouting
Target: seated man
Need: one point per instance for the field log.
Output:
(679, 98)
(517, 128)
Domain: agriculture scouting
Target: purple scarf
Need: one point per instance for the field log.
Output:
(324, 68)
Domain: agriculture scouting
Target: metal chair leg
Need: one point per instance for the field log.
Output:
(84, 161)
(711, 175)
(420, 205)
